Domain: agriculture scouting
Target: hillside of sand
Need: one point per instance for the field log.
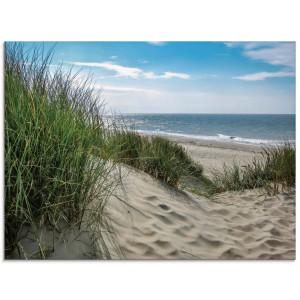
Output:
(147, 219)
(151, 220)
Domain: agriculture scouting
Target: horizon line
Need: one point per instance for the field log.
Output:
(187, 113)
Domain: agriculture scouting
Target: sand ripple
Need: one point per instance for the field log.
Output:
(169, 224)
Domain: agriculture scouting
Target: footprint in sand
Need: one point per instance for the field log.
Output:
(164, 207)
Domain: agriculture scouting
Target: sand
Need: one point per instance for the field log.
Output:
(160, 222)
(212, 154)
(70, 243)
(147, 219)
(156, 221)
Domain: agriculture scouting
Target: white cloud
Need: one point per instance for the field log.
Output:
(157, 43)
(121, 71)
(166, 75)
(281, 54)
(114, 56)
(264, 75)
(231, 44)
(250, 45)
(274, 53)
(131, 72)
(143, 61)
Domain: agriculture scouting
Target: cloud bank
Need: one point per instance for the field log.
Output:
(121, 71)
(281, 54)
(132, 72)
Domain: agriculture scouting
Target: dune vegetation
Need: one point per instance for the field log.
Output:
(155, 155)
(51, 129)
(60, 152)
(274, 170)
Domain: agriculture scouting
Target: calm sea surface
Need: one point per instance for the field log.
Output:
(245, 129)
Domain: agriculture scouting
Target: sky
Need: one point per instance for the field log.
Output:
(186, 77)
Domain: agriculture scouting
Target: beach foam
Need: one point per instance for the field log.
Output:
(219, 137)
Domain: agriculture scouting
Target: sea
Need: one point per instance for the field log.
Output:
(254, 129)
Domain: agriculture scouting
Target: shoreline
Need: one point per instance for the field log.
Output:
(216, 144)
(220, 138)
(213, 154)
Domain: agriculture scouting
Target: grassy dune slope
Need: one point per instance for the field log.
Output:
(59, 153)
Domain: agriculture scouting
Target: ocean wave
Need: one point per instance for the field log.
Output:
(219, 137)
(251, 141)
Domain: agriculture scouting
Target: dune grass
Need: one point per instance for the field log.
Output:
(59, 155)
(51, 128)
(155, 155)
(275, 171)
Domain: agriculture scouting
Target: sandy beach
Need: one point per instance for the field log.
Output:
(212, 154)
(148, 219)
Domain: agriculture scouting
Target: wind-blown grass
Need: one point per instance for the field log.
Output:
(275, 170)
(58, 154)
(155, 155)
(51, 128)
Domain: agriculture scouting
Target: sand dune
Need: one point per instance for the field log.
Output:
(160, 222)
(147, 219)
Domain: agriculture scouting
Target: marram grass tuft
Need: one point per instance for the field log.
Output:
(274, 170)
(51, 128)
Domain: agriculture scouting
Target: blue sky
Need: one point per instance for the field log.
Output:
(187, 77)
